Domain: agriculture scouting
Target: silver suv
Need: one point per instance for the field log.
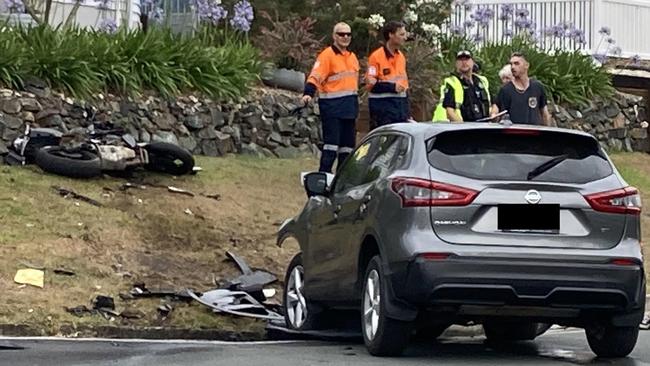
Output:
(428, 225)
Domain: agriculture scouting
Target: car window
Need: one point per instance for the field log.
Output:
(353, 171)
(503, 155)
(385, 157)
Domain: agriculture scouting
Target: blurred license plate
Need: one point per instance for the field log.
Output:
(528, 217)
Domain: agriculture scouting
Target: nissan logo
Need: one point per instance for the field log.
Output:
(533, 197)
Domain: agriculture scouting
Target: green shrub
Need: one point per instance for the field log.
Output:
(12, 60)
(84, 62)
(60, 57)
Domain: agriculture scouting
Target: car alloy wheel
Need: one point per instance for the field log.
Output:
(296, 304)
(371, 305)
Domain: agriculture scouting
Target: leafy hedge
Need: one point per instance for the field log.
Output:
(569, 76)
(83, 62)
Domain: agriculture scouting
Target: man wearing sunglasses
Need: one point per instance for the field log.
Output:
(387, 80)
(335, 76)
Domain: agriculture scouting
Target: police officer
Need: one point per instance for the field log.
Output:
(464, 96)
(335, 76)
(387, 80)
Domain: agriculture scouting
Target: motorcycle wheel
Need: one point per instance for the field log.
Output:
(169, 158)
(75, 164)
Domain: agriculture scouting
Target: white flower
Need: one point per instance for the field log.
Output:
(376, 20)
(410, 16)
(430, 28)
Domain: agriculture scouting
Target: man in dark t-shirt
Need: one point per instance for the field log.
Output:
(523, 98)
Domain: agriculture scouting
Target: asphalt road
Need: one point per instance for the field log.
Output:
(554, 348)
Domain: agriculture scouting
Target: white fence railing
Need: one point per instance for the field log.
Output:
(90, 13)
(627, 20)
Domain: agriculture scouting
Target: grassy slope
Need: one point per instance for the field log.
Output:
(146, 233)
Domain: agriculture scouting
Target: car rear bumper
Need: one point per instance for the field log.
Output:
(544, 287)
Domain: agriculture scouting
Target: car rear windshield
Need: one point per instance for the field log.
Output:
(518, 154)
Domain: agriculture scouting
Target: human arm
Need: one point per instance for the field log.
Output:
(449, 103)
(316, 77)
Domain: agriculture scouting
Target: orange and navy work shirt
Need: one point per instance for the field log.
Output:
(335, 76)
(390, 70)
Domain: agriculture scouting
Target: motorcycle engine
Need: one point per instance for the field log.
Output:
(117, 157)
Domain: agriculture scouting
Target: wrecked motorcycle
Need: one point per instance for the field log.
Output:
(88, 153)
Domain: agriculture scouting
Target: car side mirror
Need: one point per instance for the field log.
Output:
(317, 183)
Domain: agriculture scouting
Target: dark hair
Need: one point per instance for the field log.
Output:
(518, 54)
(391, 27)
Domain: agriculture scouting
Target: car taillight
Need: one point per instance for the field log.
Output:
(434, 256)
(416, 192)
(625, 201)
(624, 262)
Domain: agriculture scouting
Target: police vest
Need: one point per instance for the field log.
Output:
(454, 82)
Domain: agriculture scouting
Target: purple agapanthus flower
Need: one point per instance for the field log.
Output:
(243, 16)
(507, 9)
(482, 16)
(522, 13)
(635, 60)
(210, 11)
(611, 40)
(15, 6)
(578, 35)
(504, 17)
(617, 51)
(108, 25)
(556, 31)
(468, 24)
(524, 23)
(508, 33)
(606, 31)
(457, 30)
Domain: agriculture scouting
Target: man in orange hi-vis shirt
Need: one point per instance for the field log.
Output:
(335, 76)
(387, 80)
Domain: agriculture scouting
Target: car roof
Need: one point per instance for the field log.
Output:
(430, 129)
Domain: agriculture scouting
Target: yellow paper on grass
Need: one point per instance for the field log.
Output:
(32, 277)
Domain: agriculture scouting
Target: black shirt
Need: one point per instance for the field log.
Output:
(475, 101)
(523, 107)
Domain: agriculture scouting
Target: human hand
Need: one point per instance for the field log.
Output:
(399, 88)
(306, 99)
(371, 80)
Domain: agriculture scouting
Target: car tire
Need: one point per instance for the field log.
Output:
(612, 342)
(382, 335)
(513, 331)
(299, 312)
